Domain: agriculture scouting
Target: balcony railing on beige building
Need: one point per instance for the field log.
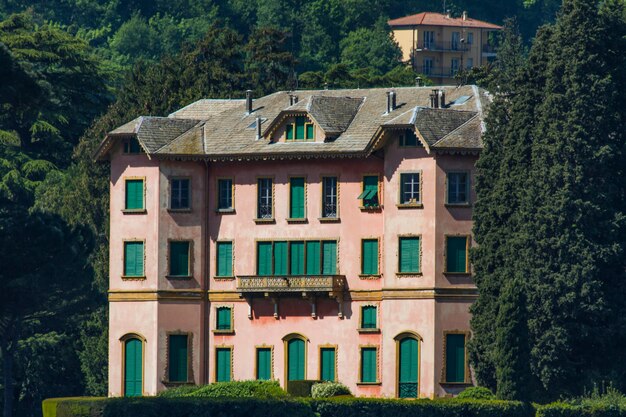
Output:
(291, 284)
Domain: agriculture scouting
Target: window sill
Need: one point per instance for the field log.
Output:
(455, 384)
(262, 221)
(370, 276)
(133, 278)
(372, 208)
(176, 383)
(410, 206)
(225, 211)
(362, 330)
(329, 219)
(297, 220)
(458, 273)
(408, 274)
(180, 210)
(224, 331)
(458, 205)
(216, 278)
(369, 383)
(179, 277)
(134, 211)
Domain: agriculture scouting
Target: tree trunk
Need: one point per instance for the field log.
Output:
(7, 368)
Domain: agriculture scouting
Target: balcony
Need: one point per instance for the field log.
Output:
(489, 50)
(274, 285)
(455, 46)
(442, 72)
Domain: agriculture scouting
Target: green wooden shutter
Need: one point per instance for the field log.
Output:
(368, 317)
(313, 257)
(456, 254)
(409, 254)
(178, 358)
(289, 132)
(329, 266)
(295, 362)
(297, 258)
(224, 315)
(296, 207)
(133, 259)
(370, 191)
(327, 364)
(225, 259)
(368, 365)
(133, 372)
(300, 121)
(369, 257)
(263, 363)
(310, 131)
(280, 258)
(264, 258)
(455, 358)
(179, 259)
(134, 194)
(223, 365)
(408, 368)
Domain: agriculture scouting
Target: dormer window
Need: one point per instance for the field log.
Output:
(408, 139)
(131, 145)
(301, 129)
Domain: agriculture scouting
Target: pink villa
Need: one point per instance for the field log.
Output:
(318, 235)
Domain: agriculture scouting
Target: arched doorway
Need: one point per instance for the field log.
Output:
(407, 365)
(133, 366)
(295, 360)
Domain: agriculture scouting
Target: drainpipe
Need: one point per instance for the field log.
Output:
(206, 306)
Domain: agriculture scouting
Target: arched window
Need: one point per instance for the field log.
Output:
(132, 364)
(407, 364)
(295, 357)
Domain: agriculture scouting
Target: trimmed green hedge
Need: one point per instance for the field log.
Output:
(364, 407)
(569, 410)
(240, 389)
(73, 407)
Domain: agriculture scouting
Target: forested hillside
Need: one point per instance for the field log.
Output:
(72, 70)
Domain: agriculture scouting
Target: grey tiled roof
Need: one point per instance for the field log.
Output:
(352, 120)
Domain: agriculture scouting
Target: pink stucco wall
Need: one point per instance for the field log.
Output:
(160, 305)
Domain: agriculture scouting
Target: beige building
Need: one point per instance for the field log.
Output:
(439, 46)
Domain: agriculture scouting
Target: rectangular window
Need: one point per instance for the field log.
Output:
(132, 146)
(369, 364)
(469, 63)
(224, 267)
(178, 357)
(224, 194)
(133, 259)
(280, 258)
(455, 358)
(470, 38)
(454, 66)
(410, 191)
(458, 188)
(427, 68)
(369, 257)
(264, 258)
(300, 122)
(313, 257)
(222, 364)
(370, 191)
(134, 194)
(297, 258)
(408, 139)
(368, 317)
(409, 255)
(179, 259)
(329, 203)
(264, 363)
(327, 364)
(429, 39)
(456, 254)
(456, 40)
(264, 204)
(179, 198)
(297, 198)
(310, 131)
(329, 257)
(224, 318)
(289, 131)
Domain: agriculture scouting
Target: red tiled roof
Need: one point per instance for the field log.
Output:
(438, 19)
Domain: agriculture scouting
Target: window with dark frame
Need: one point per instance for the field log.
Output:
(224, 194)
(408, 138)
(458, 188)
(410, 193)
(131, 146)
(329, 208)
(179, 198)
(264, 204)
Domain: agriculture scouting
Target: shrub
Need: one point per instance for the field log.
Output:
(300, 388)
(561, 409)
(73, 407)
(329, 389)
(476, 393)
(203, 407)
(179, 391)
(239, 389)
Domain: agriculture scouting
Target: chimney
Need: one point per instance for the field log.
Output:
(293, 99)
(393, 100)
(464, 15)
(434, 99)
(442, 98)
(418, 81)
(258, 128)
(248, 101)
(325, 86)
(389, 102)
